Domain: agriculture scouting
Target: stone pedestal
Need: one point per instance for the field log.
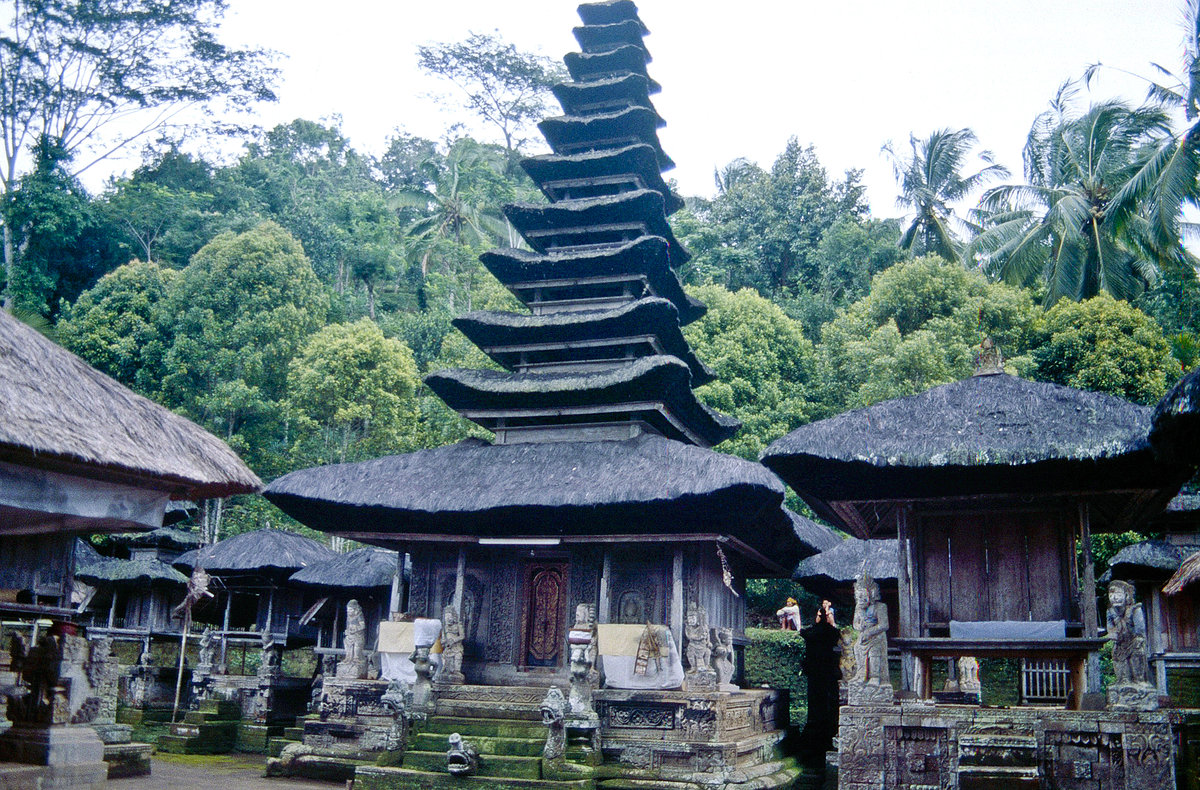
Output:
(860, 693)
(72, 755)
(1132, 696)
(210, 730)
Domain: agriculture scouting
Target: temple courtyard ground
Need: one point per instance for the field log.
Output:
(213, 772)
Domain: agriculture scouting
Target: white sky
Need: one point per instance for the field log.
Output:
(738, 78)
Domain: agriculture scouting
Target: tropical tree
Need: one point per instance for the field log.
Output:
(93, 77)
(507, 88)
(1075, 223)
(931, 178)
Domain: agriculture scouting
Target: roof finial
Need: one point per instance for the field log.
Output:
(989, 361)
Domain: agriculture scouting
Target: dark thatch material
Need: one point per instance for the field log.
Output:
(841, 564)
(1182, 514)
(641, 206)
(818, 536)
(1150, 557)
(59, 413)
(262, 551)
(656, 317)
(1188, 574)
(985, 434)
(607, 95)
(647, 257)
(572, 134)
(164, 538)
(583, 66)
(647, 484)
(359, 570)
(602, 38)
(110, 572)
(1175, 432)
(610, 13)
(632, 160)
(85, 553)
(659, 379)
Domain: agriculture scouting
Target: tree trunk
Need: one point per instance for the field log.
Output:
(9, 255)
(371, 300)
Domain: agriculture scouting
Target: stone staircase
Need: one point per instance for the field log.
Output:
(503, 724)
(210, 730)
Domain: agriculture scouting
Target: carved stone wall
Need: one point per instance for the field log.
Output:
(925, 747)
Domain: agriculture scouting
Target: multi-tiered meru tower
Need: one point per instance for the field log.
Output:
(599, 488)
(601, 355)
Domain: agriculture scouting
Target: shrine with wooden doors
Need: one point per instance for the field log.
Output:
(993, 486)
(597, 531)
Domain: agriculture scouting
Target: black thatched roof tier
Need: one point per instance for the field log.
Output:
(818, 536)
(1175, 428)
(603, 222)
(59, 413)
(565, 177)
(602, 38)
(630, 59)
(644, 259)
(1150, 558)
(643, 485)
(599, 96)
(609, 13)
(262, 551)
(1182, 514)
(841, 564)
(656, 388)
(506, 336)
(164, 537)
(363, 569)
(985, 434)
(129, 573)
(573, 134)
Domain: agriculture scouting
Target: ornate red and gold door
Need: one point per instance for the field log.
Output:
(544, 612)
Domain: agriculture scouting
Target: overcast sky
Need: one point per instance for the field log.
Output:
(738, 78)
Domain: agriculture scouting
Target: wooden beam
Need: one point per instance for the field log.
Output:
(1087, 585)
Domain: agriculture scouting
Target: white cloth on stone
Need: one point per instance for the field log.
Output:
(398, 665)
(619, 674)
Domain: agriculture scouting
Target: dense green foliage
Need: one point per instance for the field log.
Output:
(774, 658)
(290, 300)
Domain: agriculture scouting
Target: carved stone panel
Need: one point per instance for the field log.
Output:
(502, 614)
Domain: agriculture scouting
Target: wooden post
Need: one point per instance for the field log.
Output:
(604, 614)
(225, 625)
(112, 609)
(460, 578)
(397, 580)
(677, 597)
(187, 624)
(906, 590)
(271, 610)
(1087, 586)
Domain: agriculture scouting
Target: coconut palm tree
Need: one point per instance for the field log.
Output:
(1076, 222)
(931, 178)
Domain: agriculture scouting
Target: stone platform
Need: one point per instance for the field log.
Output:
(949, 747)
(210, 730)
(63, 757)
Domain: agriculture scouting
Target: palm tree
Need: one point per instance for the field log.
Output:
(1169, 178)
(930, 180)
(1074, 222)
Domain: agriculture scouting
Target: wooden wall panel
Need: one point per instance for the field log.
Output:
(934, 585)
(968, 570)
(1046, 542)
(1007, 567)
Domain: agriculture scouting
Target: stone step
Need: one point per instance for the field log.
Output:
(493, 727)
(127, 759)
(485, 709)
(512, 747)
(380, 778)
(206, 743)
(490, 765)
(276, 743)
(294, 733)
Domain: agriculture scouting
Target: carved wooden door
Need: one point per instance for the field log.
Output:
(546, 592)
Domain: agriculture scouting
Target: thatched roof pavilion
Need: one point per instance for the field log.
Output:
(263, 551)
(1176, 430)
(833, 571)
(111, 572)
(60, 415)
(987, 434)
(362, 569)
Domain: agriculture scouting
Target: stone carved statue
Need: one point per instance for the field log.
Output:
(398, 701)
(554, 712)
(582, 654)
(722, 660)
(353, 665)
(695, 630)
(452, 646)
(423, 699)
(268, 665)
(968, 675)
(1127, 629)
(207, 652)
(462, 759)
(869, 684)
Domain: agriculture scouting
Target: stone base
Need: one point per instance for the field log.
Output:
(90, 776)
(1132, 696)
(700, 681)
(114, 733)
(210, 730)
(128, 759)
(255, 738)
(959, 748)
(60, 745)
(858, 693)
